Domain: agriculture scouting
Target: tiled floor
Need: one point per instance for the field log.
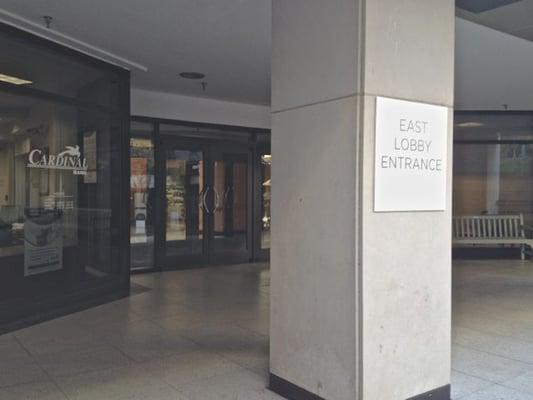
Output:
(492, 330)
(203, 334)
(196, 335)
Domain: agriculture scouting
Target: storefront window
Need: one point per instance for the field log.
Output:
(61, 174)
(56, 73)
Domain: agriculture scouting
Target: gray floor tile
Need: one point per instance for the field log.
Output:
(22, 373)
(498, 392)
(131, 382)
(522, 382)
(238, 385)
(156, 346)
(41, 390)
(486, 366)
(82, 360)
(463, 385)
(504, 346)
(190, 367)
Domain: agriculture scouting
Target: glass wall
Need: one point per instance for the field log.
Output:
(61, 172)
(493, 164)
(266, 167)
(198, 195)
(142, 195)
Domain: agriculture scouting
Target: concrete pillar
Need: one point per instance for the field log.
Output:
(360, 300)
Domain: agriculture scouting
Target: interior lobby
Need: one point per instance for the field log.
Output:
(233, 218)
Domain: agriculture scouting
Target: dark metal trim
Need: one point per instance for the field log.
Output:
(290, 390)
(493, 142)
(442, 393)
(33, 93)
(107, 291)
(492, 112)
(63, 49)
(208, 143)
(259, 253)
(234, 128)
(512, 112)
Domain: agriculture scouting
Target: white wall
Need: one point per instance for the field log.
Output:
(172, 106)
(491, 69)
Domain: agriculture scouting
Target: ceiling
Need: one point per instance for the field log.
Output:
(228, 41)
(510, 16)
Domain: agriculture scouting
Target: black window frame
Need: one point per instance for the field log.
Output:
(58, 306)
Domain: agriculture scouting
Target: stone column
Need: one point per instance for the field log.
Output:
(360, 300)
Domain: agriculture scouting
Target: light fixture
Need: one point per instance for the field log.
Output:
(470, 124)
(192, 75)
(14, 80)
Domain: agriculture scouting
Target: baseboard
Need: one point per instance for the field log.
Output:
(289, 390)
(442, 393)
(293, 392)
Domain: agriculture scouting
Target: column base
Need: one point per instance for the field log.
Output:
(289, 390)
(293, 392)
(442, 393)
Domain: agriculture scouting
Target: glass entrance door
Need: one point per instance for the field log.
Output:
(230, 222)
(204, 211)
(183, 220)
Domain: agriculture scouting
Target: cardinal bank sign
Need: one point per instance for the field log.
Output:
(70, 159)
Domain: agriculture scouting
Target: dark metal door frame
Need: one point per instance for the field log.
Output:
(209, 149)
(232, 257)
(162, 260)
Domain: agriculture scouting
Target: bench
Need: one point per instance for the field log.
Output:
(491, 230)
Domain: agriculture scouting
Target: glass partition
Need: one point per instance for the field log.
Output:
(62, 173)
(266, 173)
(493, 164)
(142, 195)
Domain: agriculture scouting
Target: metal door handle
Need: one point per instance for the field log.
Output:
(217, 201)
(201, 203)
(228, 190)
(206, 208)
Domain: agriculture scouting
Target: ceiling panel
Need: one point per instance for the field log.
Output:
(515, 18)
(477, 6)
(228, 40)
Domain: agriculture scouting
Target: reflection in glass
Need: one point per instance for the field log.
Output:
(266, 166)
(58, 177)
(184, 201)
(230, 199)
(493, 179)
(142, 196)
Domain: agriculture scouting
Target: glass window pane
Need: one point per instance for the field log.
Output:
(476, 126)
(142, 195)
(57, 73)
(266, 167)
(231, 202)
(184, 199)
(493, 179)
(58, 174)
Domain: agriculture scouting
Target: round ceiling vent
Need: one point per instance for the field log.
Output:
(192, 75)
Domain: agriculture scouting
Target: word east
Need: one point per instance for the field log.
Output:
(411, 126)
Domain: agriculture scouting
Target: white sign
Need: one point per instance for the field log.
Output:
(43, 245)
(410, 159)
(69, 159)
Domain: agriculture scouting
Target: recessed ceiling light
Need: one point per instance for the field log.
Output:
(14, 80)
(192, 75)
(470, 124)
